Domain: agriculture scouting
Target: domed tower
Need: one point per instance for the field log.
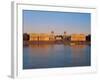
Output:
(65, 35)
(52, 32)
(52, 37)
(65, 32)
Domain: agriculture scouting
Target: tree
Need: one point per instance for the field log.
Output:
(25, 37)
(88, 37)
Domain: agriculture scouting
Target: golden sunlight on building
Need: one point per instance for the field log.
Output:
(33, 37)
(43, 37)
(78, 37)
(38, 37)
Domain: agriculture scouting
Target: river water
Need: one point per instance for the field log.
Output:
(54, 56)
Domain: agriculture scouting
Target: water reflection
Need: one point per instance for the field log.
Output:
(50, 56)
(40, 46)
(81, 54)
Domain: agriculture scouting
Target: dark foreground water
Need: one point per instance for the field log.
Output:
(52, 56)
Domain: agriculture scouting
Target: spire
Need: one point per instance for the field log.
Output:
(64, 32)
(52, 32)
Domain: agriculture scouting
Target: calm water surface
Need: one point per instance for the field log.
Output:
(52, 56)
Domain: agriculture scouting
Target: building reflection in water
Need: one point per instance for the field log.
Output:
(80, 54)
(48, 56)
(40, 46)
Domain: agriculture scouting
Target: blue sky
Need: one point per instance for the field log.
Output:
(47, 21)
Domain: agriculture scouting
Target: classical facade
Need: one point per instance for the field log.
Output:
(43, 37)
(52, 37)
(33, 37)
(39, 37)
(78, 37)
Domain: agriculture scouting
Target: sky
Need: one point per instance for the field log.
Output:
(47, 21)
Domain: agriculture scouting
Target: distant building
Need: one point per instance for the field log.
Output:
(65, 35)
(43, 37)
(78, 37)
(58, 37)
(38, 37)
(33, 37)
(52, 36)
